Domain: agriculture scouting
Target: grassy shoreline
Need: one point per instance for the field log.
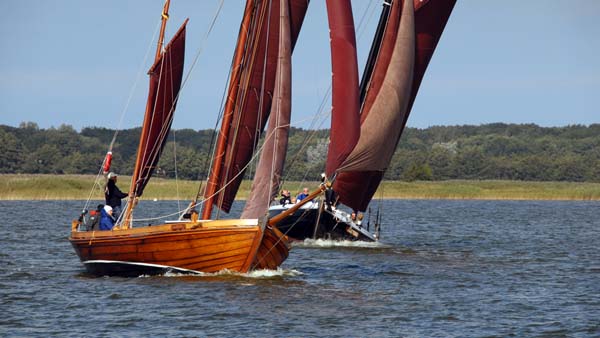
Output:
(79, 187)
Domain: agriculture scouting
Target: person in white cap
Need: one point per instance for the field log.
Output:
(107, 222)
(113, 195)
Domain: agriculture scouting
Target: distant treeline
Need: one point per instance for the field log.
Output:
(492, 151)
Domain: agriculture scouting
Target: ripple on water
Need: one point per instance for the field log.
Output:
(446, 268)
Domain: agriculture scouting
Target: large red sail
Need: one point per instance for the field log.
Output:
(345, 125)
(272, 158)
(249, 97)
(165, 81)
(363, 171)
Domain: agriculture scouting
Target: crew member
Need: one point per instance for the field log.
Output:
(113, 195)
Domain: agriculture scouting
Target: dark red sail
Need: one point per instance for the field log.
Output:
(345, 124)
(272, 157)
(359, 180)
(249, 96)
(165, 81)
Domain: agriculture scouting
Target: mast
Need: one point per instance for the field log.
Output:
(251, 101)
(165, 81)
(212, 182)
(163, 26)
(272, 158)
(374, 51)
(389, 92)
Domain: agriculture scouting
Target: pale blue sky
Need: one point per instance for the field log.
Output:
(75, 62)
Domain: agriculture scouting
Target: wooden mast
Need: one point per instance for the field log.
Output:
(126, 223)
(213, 180)
(163, 26)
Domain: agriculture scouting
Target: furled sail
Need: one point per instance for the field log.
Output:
(249, 96)
(345, 125)
(165, 81)
(272, 158)
(407, 42)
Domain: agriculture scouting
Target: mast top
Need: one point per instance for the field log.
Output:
(164, 17)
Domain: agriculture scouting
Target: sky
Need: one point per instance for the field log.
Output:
(83, 63)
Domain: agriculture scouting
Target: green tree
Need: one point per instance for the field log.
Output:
(10, 153)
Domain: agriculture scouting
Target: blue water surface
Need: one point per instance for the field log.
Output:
(443, 269)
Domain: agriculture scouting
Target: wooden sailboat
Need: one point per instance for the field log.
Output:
(404, 42)
(203, 245)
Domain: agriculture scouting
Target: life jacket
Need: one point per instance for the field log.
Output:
(94, 220)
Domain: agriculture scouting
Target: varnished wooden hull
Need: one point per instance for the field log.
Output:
(206, 246)
(273, 249)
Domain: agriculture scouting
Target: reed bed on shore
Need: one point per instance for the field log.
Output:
(79, 187)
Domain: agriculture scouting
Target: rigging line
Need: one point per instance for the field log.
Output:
(123, 112)
(241, 93)
(194, 63)
(147, 141)
(246, 63)
(139, 75)
(207, 161)
(165, 128)
(314, 133)
(261, 100)
(362, 25)
(197, 57)
(365, 11)
(310, 136)
(279, 80)
(216, 192)
(184, 82)
(93, 190)
(201, 48)
(306, 142)
(175, 165)
(321, 116)
(361, 28)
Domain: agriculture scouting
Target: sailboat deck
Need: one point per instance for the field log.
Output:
(233, 224)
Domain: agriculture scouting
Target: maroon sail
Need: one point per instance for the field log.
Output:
(272, 158)
(345, 124)
(165, 82)
(249, 98)
(363, 171)
(431, 17)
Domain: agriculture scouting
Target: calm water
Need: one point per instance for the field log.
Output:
(448, 268)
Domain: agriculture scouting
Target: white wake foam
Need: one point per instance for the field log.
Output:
(328, 243)
(264, 273)
(272, 273)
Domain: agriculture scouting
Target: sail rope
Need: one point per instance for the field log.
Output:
(132, 90)
(277, 116)
(242, 94)
(185, 80)
(176, 173)
(361, 23)
(218, 191)
(261, 101)
(319, 119)
(315, 118)
(166, 128)
(222, 105)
